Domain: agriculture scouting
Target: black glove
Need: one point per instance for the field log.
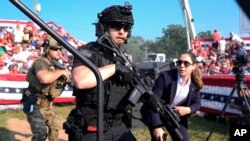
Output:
(151, 101)
(125, 72)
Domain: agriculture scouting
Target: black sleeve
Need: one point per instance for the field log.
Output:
(84, 50)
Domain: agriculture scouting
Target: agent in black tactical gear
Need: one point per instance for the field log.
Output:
(116, 21)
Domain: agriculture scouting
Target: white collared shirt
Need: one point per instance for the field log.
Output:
(181, 92)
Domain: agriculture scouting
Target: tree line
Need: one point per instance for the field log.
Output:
(172, 43)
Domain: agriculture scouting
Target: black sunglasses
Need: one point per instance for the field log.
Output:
(186, 63)
(118, 26)
(55, 49)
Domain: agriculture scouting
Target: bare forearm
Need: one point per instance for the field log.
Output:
(84, 78)
(47, 77)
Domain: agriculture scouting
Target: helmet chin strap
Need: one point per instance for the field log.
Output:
(126, 41)
(52, 58)
(48, 57)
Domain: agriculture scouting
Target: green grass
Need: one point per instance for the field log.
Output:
(199, 128)
(141, 134)
(63, 110)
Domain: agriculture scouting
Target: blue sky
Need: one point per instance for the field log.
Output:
(151, 16)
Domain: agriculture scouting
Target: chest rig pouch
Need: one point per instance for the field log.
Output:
(115, 93)
(56, 88)
(117, 97)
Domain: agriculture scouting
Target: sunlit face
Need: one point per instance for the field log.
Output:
(185, 65)
(55, 53)
(119, 32)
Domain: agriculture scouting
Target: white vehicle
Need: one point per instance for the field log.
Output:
(156, 57)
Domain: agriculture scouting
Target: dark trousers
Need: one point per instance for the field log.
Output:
(38, 125)
(215, 45)
(116, 133)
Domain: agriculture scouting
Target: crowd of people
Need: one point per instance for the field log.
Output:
(21, 46)
(218, 57)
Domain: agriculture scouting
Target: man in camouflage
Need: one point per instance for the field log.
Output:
(47, 79)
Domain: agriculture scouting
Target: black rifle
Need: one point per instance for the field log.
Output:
(60, 66)
(57, 64)
(142, 86)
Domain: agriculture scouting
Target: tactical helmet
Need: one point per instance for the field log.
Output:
(50, 43)
(117, 13)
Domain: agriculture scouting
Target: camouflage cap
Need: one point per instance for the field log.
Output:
(50, 43)
(53, 43)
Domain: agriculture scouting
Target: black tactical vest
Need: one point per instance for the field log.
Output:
(116, 92)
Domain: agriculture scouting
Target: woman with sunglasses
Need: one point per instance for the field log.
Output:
(180, 88)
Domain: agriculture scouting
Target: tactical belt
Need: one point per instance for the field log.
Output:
(39, 94)
(112, 122)
(106, 115)
(107, 123)
(112, 116)
(42, 100)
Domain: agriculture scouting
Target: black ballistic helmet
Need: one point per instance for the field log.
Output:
(117, 13)
(114, 13)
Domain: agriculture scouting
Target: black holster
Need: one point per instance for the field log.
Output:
(29, 100)
(71, 125)
(75, 125)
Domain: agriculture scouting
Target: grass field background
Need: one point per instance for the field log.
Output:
(199, 128)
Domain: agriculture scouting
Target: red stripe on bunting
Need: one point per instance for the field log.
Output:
(223, 80)
(13, 77)
(9, 101)
(56, 100)
(215, 112)
(211, 80)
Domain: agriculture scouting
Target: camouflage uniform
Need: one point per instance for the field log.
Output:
(39, 100)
